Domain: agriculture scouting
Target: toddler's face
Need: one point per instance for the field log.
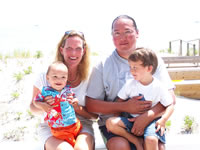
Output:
(138, 70)
(57, 77)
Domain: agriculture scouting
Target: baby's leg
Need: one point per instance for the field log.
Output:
(117, 126)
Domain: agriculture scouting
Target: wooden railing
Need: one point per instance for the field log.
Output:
(188, 43)
(186, 77)
(182, 61)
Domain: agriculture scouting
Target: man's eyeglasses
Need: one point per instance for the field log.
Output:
(126, 33)
(73, 32)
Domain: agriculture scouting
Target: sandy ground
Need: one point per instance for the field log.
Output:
(14, 112)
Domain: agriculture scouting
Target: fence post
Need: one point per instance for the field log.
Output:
(188, 48)
(170, 46)
(180, 50)
(194, 49)
(199, 47)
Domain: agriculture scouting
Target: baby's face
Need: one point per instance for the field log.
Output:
(57, 77)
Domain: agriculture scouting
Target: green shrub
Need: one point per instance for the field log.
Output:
(169, 51)
(21, 54)
(168, 125)
(30, 114)
(16, 134)
(18, 115)
(18, 76)
(28, 70)
(188, 126)
(94, 54)
(25, 54)
(1, 56)
(15, 95)
(38, 54)
(7, 56)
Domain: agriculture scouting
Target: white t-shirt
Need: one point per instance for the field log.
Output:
(155, 92)
(110, 75)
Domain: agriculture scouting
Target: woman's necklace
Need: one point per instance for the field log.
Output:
(73, 81)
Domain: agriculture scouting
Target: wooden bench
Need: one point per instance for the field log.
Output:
(187, 81)
(182, 61)
(190, 73)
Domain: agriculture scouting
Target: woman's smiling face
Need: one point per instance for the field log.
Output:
(72, 51)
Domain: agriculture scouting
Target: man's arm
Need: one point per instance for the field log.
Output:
(144, 119)
(82, 111)
(103, 107)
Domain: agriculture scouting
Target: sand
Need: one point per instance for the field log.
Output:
(15, 116)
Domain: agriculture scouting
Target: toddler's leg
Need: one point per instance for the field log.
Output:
(117, 126)
(161, 146)
(151, 143)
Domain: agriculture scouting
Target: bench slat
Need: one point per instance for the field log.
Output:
(184, 73)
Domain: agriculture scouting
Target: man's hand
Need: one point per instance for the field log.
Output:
(135, 106)
(139, 125)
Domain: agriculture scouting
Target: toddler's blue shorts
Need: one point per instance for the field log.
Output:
(150, 130)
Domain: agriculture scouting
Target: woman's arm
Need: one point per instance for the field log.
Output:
(33, 108)
(40, 107)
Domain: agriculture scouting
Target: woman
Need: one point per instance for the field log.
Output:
(74, 52)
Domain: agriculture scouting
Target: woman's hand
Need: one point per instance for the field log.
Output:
(43, 106)
(71, 99)
(49, 100)
(47, 104)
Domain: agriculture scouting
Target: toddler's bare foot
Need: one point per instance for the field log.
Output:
(140, 143)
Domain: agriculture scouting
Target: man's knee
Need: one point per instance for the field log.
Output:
(118, 143)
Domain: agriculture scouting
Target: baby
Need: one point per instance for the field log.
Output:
(60, 116)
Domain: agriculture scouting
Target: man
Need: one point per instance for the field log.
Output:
(108, 78)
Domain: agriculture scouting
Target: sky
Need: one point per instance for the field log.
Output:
(39, 24)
